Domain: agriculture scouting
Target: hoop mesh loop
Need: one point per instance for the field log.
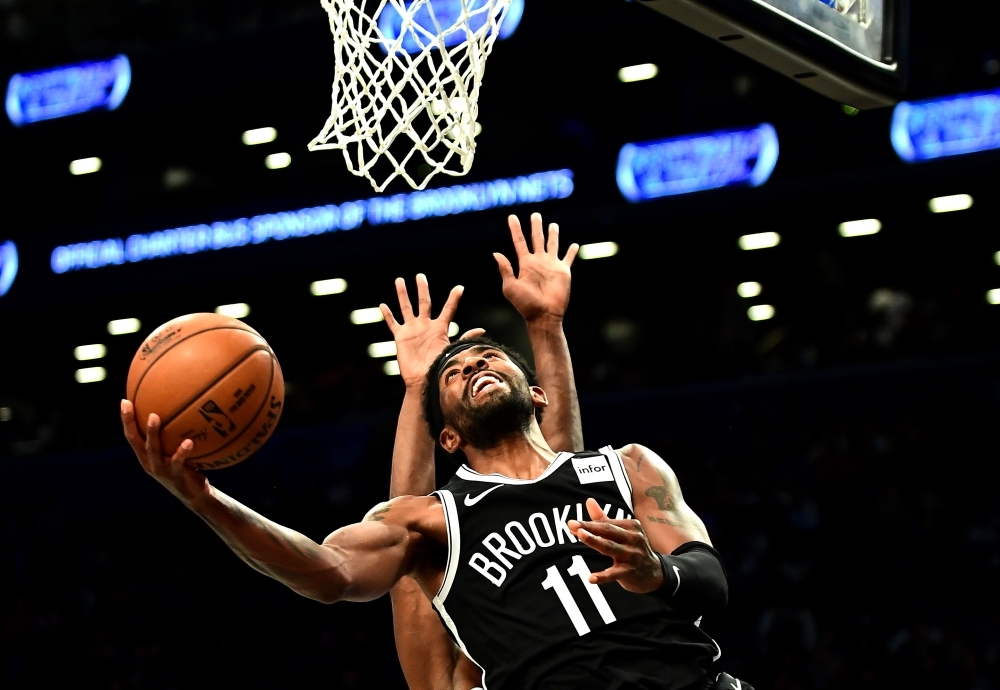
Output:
(406, 85)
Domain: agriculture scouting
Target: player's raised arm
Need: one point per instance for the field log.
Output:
(427, 655)
(356, 563)
(419, 340)
(429, 658)
(540, 293)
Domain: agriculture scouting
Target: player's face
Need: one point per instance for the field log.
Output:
(485, 396)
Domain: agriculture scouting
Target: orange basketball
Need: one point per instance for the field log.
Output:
(211, 379)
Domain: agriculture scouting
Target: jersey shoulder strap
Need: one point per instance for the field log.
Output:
(617, 465)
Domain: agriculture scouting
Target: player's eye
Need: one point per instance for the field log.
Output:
(448, 375)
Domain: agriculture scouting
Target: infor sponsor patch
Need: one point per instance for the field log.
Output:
(591, 470)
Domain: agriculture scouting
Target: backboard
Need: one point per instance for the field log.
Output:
(853, 51)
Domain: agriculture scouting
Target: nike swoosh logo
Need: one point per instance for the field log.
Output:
(678, 573)
(470, 501)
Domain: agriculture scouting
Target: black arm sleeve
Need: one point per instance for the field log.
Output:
(694, 579)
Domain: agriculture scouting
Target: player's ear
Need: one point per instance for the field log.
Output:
(538, 397)
(450, 439)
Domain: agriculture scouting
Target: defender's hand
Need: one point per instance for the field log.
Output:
(186, 483)
(420, 339)
(541, 287)
(636, 567)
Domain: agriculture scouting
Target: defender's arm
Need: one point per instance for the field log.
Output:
(429, 658)
(540, 292)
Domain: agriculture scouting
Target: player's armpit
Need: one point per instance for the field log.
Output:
(658, 501)
(388, 544)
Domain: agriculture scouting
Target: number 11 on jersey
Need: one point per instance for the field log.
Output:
(553, 580)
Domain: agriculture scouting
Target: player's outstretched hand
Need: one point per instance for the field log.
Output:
(541, 287)
(636, 567)
(186, 483)
(419, 338)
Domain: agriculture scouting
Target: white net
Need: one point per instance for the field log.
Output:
(406, 85)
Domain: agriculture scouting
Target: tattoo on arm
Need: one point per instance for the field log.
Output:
(663, 521)
(662, 497)
(379, 515)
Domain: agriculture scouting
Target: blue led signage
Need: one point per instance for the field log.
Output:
(950, 126)
(423, 32)
(8, 266)
(695, 162)
(318, 220)
(68, 90)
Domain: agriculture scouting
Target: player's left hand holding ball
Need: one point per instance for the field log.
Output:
(184, 482)
(635, 567)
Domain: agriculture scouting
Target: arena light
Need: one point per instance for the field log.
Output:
(760, 312)
(333, 286)
(6, 414)
(261, 135)
(598, 250)
(384, 349)
(85, 166)
(638, 72)
(996, 258)
(68, 90)
(391, 368)
(368, 315)
(697, 162)
(947, 204)
(87, 352)
(993, 296)
(760, 240)
(422, 26)
(317, 220)
(951, 126)
(452, 329)
(277, 161)
(91, 375)
(124, 326)
(748, 289)
(8, 266)
(858, 228)
(237, 310)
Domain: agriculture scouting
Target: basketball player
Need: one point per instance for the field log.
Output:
(540, 292)
(534, 593)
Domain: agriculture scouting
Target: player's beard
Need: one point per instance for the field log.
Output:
(505, 414)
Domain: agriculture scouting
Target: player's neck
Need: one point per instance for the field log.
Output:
(520, 456)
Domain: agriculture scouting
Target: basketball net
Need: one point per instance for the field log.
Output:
(406, 85)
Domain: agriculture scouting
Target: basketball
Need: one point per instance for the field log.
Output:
(211, 379)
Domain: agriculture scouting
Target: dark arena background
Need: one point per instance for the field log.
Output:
(829, 399)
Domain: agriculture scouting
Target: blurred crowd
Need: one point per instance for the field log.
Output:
(854, 509)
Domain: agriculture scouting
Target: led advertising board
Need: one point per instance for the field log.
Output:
(8, 266)
(949, 126)
(317, 220)
(62, 91)
(697, 162)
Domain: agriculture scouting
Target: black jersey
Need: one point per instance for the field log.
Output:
(516, 594)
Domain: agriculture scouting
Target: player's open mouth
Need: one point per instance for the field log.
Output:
(483, 382)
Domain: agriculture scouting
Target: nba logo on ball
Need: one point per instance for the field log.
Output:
(592, 470)
(8, 266)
